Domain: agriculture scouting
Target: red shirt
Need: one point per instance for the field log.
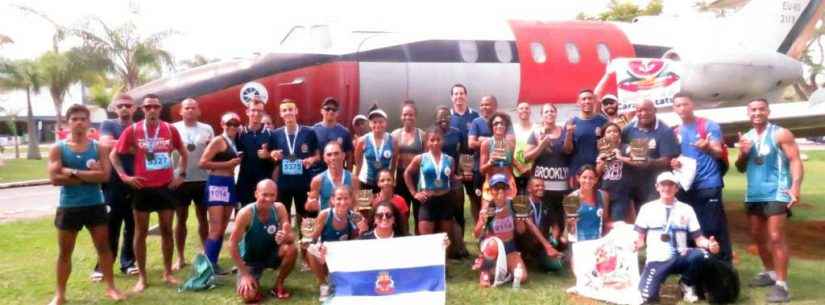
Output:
(401, 205)
(158, 171)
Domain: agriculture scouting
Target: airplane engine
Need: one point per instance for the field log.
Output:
(733, 76)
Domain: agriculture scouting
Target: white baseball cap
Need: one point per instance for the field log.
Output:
(666, 176)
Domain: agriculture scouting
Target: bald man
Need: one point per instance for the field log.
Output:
(195, 135)
(262, 239)
(659, 141)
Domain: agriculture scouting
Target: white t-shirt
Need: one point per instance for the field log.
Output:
(679, 223)
(194, 141)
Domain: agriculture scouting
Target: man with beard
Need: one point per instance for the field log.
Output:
(610, 109)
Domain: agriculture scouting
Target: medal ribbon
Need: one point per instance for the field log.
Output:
(536, 212)
(762, 138)
(150, 142)
(379, 150)
(335, 186)
(291, 145)
(438, 167)
(230, 142)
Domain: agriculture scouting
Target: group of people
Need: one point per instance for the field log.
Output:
(533, 188)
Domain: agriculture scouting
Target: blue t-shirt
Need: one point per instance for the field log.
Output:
(584, 141)
(252, 168)
(325, 134)
(304, 144)
(479, 127)
(454, 142)
(114, 129)
(708, 174)
(462, 123)
(661, 142)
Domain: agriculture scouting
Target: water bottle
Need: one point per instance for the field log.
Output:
(518, 274)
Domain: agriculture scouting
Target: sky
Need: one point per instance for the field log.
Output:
(240, 28)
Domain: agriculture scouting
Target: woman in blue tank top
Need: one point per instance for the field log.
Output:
(375, 151)
(432, 189)
(336, 223)
(590, 218)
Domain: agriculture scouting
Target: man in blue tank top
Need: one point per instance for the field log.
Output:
(770, 158)
(262, 240)
(80, 165)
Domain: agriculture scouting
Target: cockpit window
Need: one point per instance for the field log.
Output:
(295, 38)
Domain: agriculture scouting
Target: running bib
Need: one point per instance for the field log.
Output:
(218, 193)
(158, 161)
(292, 167)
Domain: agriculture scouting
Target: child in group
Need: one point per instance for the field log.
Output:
(386, 186)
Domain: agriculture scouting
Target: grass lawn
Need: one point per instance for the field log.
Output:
(22, 169)
(28, 252)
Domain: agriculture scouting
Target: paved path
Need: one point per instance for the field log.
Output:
(28, 202)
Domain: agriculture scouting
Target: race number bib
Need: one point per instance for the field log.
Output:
(292, 167)
(218, 193)
(158, 161)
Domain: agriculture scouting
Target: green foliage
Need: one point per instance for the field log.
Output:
(624, 10)
(16, 170)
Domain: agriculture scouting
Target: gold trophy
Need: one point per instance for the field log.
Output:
(521, 206)
(307, 227)
(363, 200)
(607, 149)
(639, 149)
(465, 164)
(571, 204)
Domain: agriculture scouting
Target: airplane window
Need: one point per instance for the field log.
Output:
(503, 51)
(537, 50)
(321, 37)
(469, 50)
(572, 52)
(604, 52)
(295, 37)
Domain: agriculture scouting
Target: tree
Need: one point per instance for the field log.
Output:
(623, 10)
(11, 123)
(196, 61)
(814, 58)
(5, 39)
(128, 54)
(24, 74)
(59, 71)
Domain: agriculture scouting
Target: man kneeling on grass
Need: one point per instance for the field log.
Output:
(664, 225)
(80, 165)
(262, 239)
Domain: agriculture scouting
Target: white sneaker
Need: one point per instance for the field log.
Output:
(324, 293)
(688, 294)
(133, 270)
(96, 276)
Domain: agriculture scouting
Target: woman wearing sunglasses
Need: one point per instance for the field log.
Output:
(496, 155)
(386, 222)
(220, 158)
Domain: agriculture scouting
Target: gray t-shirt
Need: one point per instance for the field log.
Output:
(194, 140)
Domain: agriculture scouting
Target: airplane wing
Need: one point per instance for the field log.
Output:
(804, 119)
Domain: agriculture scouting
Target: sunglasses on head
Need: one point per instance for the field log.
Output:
(149, 107)
(127, 106)
(233, 123)
(497, 123)
(330, 109)
(383, 215)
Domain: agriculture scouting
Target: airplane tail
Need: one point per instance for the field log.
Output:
(782, 25)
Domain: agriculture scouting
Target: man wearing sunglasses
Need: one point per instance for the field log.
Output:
(116, 193)
(195, 136)
(330, 130)
(152, 142)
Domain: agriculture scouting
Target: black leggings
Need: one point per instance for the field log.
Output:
(286, 196)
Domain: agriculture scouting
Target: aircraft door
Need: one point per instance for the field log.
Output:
(383, 75)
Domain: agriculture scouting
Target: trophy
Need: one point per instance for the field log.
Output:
(571, 204)
(607, 149)
(356, 218)
(363, 200)
(465, 164)
(639, 149)
(499, 153)
(307, 227)
(521, 206)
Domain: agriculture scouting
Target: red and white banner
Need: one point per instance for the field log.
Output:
(607, 269)
(640, 79)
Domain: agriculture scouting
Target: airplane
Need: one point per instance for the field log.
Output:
(727, 61)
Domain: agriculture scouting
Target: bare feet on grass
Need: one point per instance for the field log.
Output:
(140, 286)
(115, 294)
(58, 300)
(170, 279)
